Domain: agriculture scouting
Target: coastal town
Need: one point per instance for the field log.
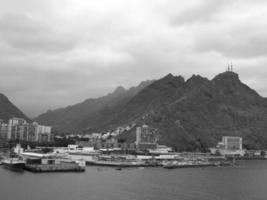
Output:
(104, 149)
(133, 100)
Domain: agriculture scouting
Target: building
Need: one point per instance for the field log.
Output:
(3, 130)
(41, 133)
(17, 129)
(20, 129)
(161, 149)
(146, 138)
(232, 143)
(229, 146)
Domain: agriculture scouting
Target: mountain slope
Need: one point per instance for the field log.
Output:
(190, 115)
(222, 106)
(9, 110)
(80, 116)
(155, 95)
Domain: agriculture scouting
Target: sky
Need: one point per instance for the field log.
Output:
(58, 53)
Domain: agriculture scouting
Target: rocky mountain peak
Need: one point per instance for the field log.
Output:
(206, 111)
(169, 80)
(229, 83)
(119, 90)
(227, 76)
(195, 80)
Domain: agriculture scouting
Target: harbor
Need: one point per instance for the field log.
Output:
(146, 153)
(133, 100)
(40, 162)
(74, 159)
(105, 149)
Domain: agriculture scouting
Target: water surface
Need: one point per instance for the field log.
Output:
(246, 181)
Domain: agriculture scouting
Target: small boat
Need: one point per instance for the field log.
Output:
(15, 164)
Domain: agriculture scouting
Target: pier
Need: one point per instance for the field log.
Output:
(62, 167)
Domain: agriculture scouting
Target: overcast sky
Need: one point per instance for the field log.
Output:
(57, 53)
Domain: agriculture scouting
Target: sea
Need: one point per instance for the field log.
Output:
(246, 181)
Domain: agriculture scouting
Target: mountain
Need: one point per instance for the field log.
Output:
(9, 110)
(190, 115)
(207, 110)
(91, 111)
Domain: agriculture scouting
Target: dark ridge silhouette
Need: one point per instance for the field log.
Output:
(190, 115)
(9, 110)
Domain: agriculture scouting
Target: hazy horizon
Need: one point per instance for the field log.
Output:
(59, 53)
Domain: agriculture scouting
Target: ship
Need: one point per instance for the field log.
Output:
(15, 164)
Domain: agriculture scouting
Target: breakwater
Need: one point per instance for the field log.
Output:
(62, 167)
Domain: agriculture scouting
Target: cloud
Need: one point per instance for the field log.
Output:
(23, 32)
(57, 53)
(244, 40)
(202, 11)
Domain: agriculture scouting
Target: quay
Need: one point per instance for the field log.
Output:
(252, 158)
(37, 162)
(174, 165)
(75, 159)
(114, 164)
(62, 167)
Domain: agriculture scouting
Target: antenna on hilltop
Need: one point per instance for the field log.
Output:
(228, 68)
(231, 67)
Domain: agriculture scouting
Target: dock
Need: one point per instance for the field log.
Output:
(62, 167)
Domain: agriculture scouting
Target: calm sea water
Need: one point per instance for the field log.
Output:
(246, 181)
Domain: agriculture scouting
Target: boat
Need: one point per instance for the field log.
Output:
(15, 164)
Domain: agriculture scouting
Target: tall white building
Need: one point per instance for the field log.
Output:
(146, 138)
(232, 143)
(19, 129)
(40, 133)
(16, 128)
(229, 146)
(3, 130)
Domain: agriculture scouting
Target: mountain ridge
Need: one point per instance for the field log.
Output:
(190, 115)
(77, 113)
(9, 110)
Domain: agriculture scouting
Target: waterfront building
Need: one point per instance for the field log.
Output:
(232, 143)
(42, 133)
(229, 146)
(161, 149)
(146, 138)
(3, 130)
(20, 129)
(17, 129)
